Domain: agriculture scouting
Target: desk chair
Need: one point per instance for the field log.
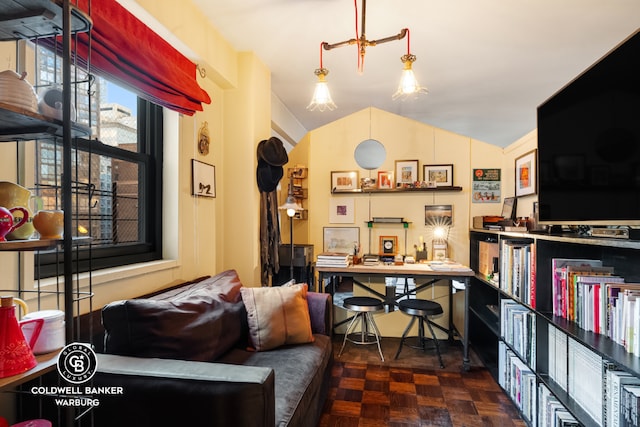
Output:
(420, 309)
(364, 307)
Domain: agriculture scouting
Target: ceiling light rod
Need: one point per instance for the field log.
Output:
(362, 41)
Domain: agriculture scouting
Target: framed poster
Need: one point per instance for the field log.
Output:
(344, 180)
(203, 179)
(388, 245)
(435, 215)
(526, 174)
(342, 210)
(406, 172)
(385, 180)
(442, 175)
(340, 239)
(486, 186)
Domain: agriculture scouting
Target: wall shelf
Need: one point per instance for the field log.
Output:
(398, 190)
(25, 19)
(19, 124)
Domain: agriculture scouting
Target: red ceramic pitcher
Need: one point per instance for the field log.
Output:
(16, 355)
(6, 220)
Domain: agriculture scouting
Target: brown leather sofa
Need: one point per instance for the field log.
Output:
(182, 358)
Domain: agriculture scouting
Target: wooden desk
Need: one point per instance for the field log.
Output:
(427, 273)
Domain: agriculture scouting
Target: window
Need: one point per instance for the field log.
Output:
(116, 174)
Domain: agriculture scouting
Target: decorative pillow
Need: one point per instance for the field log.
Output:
(200, 321)
(277, 316)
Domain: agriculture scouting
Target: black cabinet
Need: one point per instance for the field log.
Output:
(303, 271)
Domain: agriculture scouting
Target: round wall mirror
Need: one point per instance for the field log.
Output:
(370, 154)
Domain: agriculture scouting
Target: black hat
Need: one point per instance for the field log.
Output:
(268, 176)
(272, 151)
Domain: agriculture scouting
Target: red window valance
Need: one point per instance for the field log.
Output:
(127, 52)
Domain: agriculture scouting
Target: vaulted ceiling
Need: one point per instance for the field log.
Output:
(487, 64)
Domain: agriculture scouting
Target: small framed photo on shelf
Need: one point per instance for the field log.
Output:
(385, 180)
(406, 172)
(526, 174)
(341, 239)
(344, 180)
(203, 179)
(367, 184)
(442, 175)
(388, 245)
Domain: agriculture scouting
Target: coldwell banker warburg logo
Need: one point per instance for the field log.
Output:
(77, 364)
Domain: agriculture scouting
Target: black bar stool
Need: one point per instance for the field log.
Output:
(420, 309)
(364, 307)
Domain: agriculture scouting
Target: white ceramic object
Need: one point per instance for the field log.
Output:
(52, 335)
(17, 91)
(50, 104)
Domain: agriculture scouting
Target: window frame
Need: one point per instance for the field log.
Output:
(150, 159)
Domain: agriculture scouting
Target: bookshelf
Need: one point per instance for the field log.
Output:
(560, 364)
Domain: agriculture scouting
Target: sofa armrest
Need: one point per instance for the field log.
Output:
(321, 312)
(175, 392)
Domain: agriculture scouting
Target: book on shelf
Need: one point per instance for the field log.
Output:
(517, 270)
(590, 301)
(559, 281)
(629, 405)
(584, 366)
(552, 413)
(557, 356)
(615, 381)
(518, 381)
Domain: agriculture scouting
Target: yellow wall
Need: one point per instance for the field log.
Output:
(331, 147)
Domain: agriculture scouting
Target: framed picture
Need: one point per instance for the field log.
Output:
(439, 250)
(203, 179)
(385, 180)
(341, 239)
(435, 215)
(344, 180)
(406, 172)
(388, 245)
(526, 174)
(509, 208)
(367, 184)
(442, 175)
(342, 210)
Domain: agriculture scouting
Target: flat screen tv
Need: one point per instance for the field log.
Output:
(589, 144)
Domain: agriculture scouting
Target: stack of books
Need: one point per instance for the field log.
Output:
(371, 260)
(333, 259)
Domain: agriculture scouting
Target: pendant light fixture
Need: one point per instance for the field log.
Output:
(408, 83)
(322, 100)
(321, 96)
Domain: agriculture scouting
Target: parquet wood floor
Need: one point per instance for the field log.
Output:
(412, 391)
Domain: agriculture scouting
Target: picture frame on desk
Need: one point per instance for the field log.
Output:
(526, 174)
(406, 173)
(340, 239)
(442, 175)
(344, 181)
(385, 180)
(388, 245)
(439, 250)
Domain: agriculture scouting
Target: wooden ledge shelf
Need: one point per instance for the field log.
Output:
(398, 190)
(38, 244)
(46, 363)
